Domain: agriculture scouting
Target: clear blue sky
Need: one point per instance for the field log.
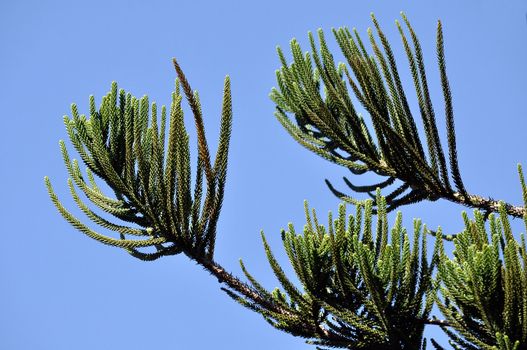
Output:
(61, 290)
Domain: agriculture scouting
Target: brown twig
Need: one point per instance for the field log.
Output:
(234, 283)
(436, 322)
(486, 204)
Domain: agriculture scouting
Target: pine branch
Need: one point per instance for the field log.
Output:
(327, 122)
(121, 143)
(361, 288)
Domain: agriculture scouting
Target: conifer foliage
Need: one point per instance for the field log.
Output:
(484, 287)
(370, 287)
(123, 144)
(314, 89)
(361, 286)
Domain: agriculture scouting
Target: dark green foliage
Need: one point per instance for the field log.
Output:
(122, 144)
(368, 288)
(484, 286)
(319, 94)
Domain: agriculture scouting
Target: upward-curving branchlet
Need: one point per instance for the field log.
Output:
(123, 144)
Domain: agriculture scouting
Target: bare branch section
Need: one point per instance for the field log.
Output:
(487, 204)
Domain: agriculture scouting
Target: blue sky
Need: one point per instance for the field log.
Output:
(61, 290)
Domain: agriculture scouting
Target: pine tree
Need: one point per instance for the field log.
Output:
(363, 285)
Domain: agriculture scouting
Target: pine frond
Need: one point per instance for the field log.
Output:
(360, 288)
(314, 104)
(122, 143)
